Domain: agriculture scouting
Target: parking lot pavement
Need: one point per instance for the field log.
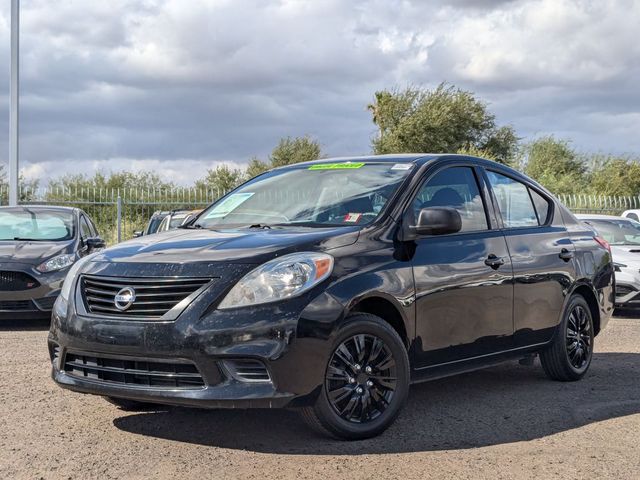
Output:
(505, 422)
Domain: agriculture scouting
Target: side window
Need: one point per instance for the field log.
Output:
(85, 231)
(632, 216)
(542, 205)
(94, 230)
(457, 188)
(514, 201)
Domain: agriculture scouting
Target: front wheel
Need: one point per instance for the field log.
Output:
(366, 381)
(569, 356)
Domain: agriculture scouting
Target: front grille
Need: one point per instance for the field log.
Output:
(16, 281)
(133, 371)
(16, 305)
(153, 296)
(247, 370)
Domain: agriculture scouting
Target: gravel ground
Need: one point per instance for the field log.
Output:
(504, 422)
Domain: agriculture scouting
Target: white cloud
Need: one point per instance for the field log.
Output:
(167, 83)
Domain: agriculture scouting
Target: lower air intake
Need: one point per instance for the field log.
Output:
(247, 370)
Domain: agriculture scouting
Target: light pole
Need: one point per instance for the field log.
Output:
(13, 109)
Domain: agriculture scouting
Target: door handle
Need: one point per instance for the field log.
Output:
(494, 261)
(566, 255)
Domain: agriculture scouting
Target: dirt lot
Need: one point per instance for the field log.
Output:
(504, 422)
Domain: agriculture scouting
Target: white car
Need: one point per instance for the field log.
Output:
(632, 214)
(623, 234)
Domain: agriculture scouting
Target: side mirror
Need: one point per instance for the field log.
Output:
(437, 221)
(95, 243)
(137, 233)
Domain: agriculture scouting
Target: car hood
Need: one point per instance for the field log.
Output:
(231, 246)
(626, 254)
(31, 252)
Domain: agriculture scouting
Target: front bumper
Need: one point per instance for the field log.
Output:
(34, 302)
(627, 293)
(206, 338)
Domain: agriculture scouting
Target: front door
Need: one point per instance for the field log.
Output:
(464, 290)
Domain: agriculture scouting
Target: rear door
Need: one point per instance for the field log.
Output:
(542, 255)
(464, 291)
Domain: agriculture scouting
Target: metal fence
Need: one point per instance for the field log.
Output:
(118, 213)
(610, 205)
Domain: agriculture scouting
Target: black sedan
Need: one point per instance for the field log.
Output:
(332, 286)
(38, 245)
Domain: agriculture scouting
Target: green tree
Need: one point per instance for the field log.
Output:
(256, 167)
(294, 150)
(554, 164)
(615, 176)
(446, 119)
(221, 179)
(27, 188)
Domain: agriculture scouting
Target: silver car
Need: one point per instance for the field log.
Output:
(623, 234)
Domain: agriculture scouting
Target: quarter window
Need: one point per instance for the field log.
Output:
(514, 201)
(542, 205)
(457, 188)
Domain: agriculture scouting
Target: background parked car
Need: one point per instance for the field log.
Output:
(623, 234)
(37, 247)
(176, 218)
(154, 223)
(632, 214)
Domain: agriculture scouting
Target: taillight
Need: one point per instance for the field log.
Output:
(603, 243)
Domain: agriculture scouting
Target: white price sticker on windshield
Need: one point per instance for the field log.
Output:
(229, 204)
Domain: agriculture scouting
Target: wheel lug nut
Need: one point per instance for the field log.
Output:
(352, 380)
(367, 369)
(357, 367)
(369, 383)
(359, 390)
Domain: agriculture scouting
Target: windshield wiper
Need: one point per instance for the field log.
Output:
(23, 239)
(260, 225)
(195, 226)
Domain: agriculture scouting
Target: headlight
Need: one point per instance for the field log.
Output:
(71, 276)
(284, 277)
(57, 263)
(617, 266)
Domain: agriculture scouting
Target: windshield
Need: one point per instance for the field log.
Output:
(317, 195)
(37, 225)
(618, 232)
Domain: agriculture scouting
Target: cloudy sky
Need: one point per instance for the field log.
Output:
(178, 86)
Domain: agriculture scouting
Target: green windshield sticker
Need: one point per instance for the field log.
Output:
(228, 205)
(336, 166)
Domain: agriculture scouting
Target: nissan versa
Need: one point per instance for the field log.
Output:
(38, 244)
(332, 286)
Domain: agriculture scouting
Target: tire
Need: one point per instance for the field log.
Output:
(569, 356)
(362, 397)
(127, 405)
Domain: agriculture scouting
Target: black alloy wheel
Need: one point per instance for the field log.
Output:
(569, 355)
(366, 380)
(361, 378)
(578, 337)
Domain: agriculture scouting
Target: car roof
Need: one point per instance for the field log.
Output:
(596, 216)
(416, 158)
(632, 210)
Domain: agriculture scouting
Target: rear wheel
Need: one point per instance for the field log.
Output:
(569, 357)
(366, 381)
